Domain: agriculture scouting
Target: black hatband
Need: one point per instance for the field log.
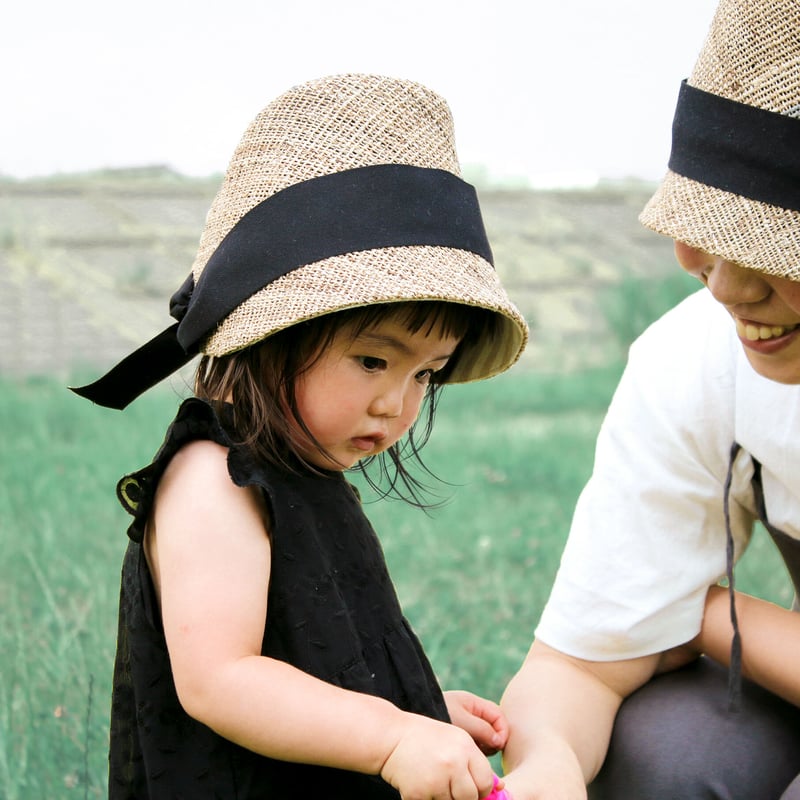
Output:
(737, 147)
(387, 205)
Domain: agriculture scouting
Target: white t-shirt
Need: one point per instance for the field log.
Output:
(648, 534)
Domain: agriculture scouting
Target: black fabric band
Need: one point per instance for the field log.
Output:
(736, 147)
(388, 205)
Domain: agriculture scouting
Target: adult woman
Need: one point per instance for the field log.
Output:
(700, 441)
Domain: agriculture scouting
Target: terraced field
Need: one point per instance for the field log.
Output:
(87, 264)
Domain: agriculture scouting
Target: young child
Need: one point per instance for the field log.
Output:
(701, 440)
(342, 277)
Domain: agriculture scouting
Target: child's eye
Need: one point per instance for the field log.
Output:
(372, 364)
(425, 375)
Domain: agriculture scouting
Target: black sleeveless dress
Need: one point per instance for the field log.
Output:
(332, 612)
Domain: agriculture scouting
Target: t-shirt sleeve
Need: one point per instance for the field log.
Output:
(648, 533)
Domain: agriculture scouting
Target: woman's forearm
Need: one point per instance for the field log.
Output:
(770, 638)
(560, 712)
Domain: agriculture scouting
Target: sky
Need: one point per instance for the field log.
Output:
(556, 93)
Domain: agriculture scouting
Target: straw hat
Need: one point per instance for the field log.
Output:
(343, 192)
(733, 184)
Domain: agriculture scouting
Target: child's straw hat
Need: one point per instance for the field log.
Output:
(733, 185)
(343, 192)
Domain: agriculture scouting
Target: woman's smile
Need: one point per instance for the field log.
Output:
(764, 308)
(755, 331)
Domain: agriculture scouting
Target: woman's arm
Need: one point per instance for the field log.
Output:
(560, 712)
(209, 554)
(770, 640)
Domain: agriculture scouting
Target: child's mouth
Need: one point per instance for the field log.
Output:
(365, 443)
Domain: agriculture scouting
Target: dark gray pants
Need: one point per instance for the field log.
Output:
(675, 739)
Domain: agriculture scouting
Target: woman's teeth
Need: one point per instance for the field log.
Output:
(755, 332)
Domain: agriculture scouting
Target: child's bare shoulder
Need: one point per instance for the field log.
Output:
(197, 491)
(197, 479)
(202, 464)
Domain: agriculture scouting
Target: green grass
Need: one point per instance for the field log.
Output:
(62, 538)
(472, 575)
(636, 301)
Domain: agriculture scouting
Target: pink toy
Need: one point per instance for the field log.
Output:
(497, 795)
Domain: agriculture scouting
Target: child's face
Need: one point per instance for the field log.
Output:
(362, 395)
(765, 309)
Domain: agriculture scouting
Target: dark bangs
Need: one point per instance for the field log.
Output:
(471, 324)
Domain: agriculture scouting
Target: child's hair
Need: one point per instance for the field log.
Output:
(261, 382)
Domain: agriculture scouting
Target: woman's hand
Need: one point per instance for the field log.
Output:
(482, 719)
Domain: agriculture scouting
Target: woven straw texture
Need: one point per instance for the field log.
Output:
(327, 126)
(751, 55)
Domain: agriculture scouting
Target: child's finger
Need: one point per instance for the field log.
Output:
(498, 792)
(491, 712)
(491, 715)
(486, 737)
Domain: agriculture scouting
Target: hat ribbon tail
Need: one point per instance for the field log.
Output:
(150, 364)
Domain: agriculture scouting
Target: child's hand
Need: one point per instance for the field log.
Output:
(433, 759)
(480, 718)
(498, 792)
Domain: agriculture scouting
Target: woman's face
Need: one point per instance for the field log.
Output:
(765, 309)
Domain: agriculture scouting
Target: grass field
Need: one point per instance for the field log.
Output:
(472, 575)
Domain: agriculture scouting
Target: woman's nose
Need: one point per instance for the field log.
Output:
(729, 283)
(733, 285)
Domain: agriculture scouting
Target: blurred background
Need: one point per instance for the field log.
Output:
(550, 91)
(118, 122)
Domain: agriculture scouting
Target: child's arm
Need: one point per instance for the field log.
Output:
(209, 553)
(482, 719)
(770, 640)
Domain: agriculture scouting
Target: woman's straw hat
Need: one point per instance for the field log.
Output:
(343, 192)
(733, 185)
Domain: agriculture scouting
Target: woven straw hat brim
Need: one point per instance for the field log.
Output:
(747, 232)
(388, 275)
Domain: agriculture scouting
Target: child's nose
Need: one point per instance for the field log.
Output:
(388, 403)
